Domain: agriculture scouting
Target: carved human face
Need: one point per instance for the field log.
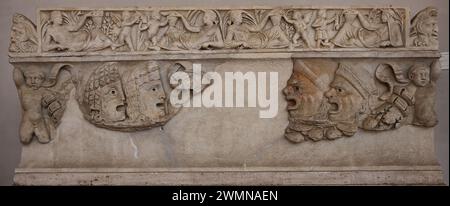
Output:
(113, 102)
(172, 20)
(384, 17)
(97, 18)
(429, 27)
(34, 79)
(345, 100)
(56, 17)
(303, 97)
(209, 18)
(420, 76)
(154, 98)
(350, 16)
(126, 14)
(322, 13)
(297, 15)
(151, 92)
(276, 19)
(236, 18)
(155, 15)
(19, 33)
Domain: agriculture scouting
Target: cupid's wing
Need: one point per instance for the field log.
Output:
(392, 75)
(18, 77)
(55, 75)
(59, 85)
(249, 19)
(193, 17)
(72, 19)
(435, 70)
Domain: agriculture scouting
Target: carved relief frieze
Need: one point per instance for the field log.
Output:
(124, 84)
(121, 96)
(183, 30)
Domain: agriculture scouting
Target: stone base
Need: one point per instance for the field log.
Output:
(385, 175)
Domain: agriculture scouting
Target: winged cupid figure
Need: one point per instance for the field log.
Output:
(43, 99)
(400, 100)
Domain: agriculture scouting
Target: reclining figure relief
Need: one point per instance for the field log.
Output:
(283, 29)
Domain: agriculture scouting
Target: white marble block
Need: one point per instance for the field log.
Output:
(355, 94)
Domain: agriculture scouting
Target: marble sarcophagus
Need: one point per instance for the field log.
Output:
(345, 96)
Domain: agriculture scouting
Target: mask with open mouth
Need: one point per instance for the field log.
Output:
(344, 100)
(349, 96)
(305, 103)
(304, 92)
(113, 102)
(127, 98)
(146, 95)
(104, 98)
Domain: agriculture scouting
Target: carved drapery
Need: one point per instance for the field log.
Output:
(283, 29)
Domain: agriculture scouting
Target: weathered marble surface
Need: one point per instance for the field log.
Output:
(79, 31)
(84, 136)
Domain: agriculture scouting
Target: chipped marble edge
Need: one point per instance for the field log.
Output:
(375, 177)
(229, 169)
(89, 57)
(184, 8)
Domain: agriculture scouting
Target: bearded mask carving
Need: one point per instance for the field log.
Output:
(349, 93)
(320, 109)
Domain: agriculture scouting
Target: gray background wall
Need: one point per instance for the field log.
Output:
(9, 102)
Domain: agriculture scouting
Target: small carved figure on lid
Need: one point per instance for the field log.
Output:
(424, 29)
